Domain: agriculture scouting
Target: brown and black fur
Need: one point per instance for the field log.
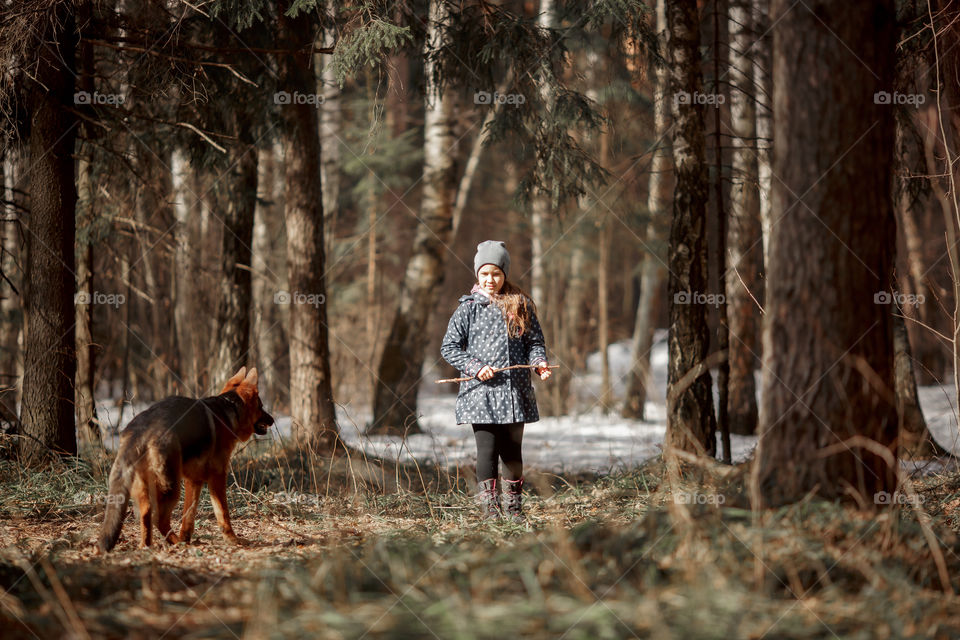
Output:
(181, 439)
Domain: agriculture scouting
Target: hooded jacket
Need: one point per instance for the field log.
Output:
(477, 336)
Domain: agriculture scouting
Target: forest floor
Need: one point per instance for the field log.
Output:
(354, 547)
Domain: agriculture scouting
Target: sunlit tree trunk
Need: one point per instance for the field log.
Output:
(399, 373)
(763, 93)
(311, 394)
(184, 273)
(744, 242)
(540, 205)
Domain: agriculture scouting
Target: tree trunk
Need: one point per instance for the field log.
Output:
(744, 242)
(652, 271)
(311, 394)
(925, 346)
(233, 307)
(149, 369)
(603, 278)
(331, 137)
(399, 373)
(184, 274)
(828, 381)
(691, 424)
(915, 441)
(567, 331)
(723, 330)
(88, 427)
(268, 277)
(50, 363)
(540, 205)
(11, 320)
(603, 321)
(763, 94)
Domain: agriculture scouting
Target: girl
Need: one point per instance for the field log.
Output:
(494, 327)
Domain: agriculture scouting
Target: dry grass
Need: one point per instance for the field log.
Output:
(352, 547)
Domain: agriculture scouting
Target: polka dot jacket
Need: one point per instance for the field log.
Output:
(477, 336)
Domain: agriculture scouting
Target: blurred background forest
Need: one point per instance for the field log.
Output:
(300, 186)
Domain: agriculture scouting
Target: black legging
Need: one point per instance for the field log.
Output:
(501, 441)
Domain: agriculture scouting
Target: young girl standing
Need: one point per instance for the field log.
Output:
(494, 327)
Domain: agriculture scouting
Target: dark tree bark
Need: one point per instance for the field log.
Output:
(50, 360)
(828, 347)
(311, 394)
(399, 373)
(720, 200)
(744, 242)
(691, 423)
(233, 307)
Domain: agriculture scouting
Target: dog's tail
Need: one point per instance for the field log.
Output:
(121, 478)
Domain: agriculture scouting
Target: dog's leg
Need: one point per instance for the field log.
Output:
(167, 501)
(218, 494)
(142, 495)
(191, 500)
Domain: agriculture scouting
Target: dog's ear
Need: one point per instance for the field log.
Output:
(236, 380)
(251, 378)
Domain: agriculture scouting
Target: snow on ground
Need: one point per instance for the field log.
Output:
(586, 441)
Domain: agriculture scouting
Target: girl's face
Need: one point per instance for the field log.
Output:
(491, 278)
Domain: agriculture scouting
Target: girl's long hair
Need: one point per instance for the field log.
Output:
(516, 306)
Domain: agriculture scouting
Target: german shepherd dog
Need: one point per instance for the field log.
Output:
(178, 439)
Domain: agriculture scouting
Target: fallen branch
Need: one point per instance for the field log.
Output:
(513, 366)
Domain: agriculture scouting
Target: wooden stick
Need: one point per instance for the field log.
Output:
(513, 366)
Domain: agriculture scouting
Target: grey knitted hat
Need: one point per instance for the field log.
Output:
(491, 252)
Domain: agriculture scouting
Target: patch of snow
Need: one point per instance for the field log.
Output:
(588, 441)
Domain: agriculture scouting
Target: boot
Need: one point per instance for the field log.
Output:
(513, 500)
(489, 499)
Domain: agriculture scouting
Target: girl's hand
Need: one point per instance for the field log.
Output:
(486, 373)
(544, 371)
